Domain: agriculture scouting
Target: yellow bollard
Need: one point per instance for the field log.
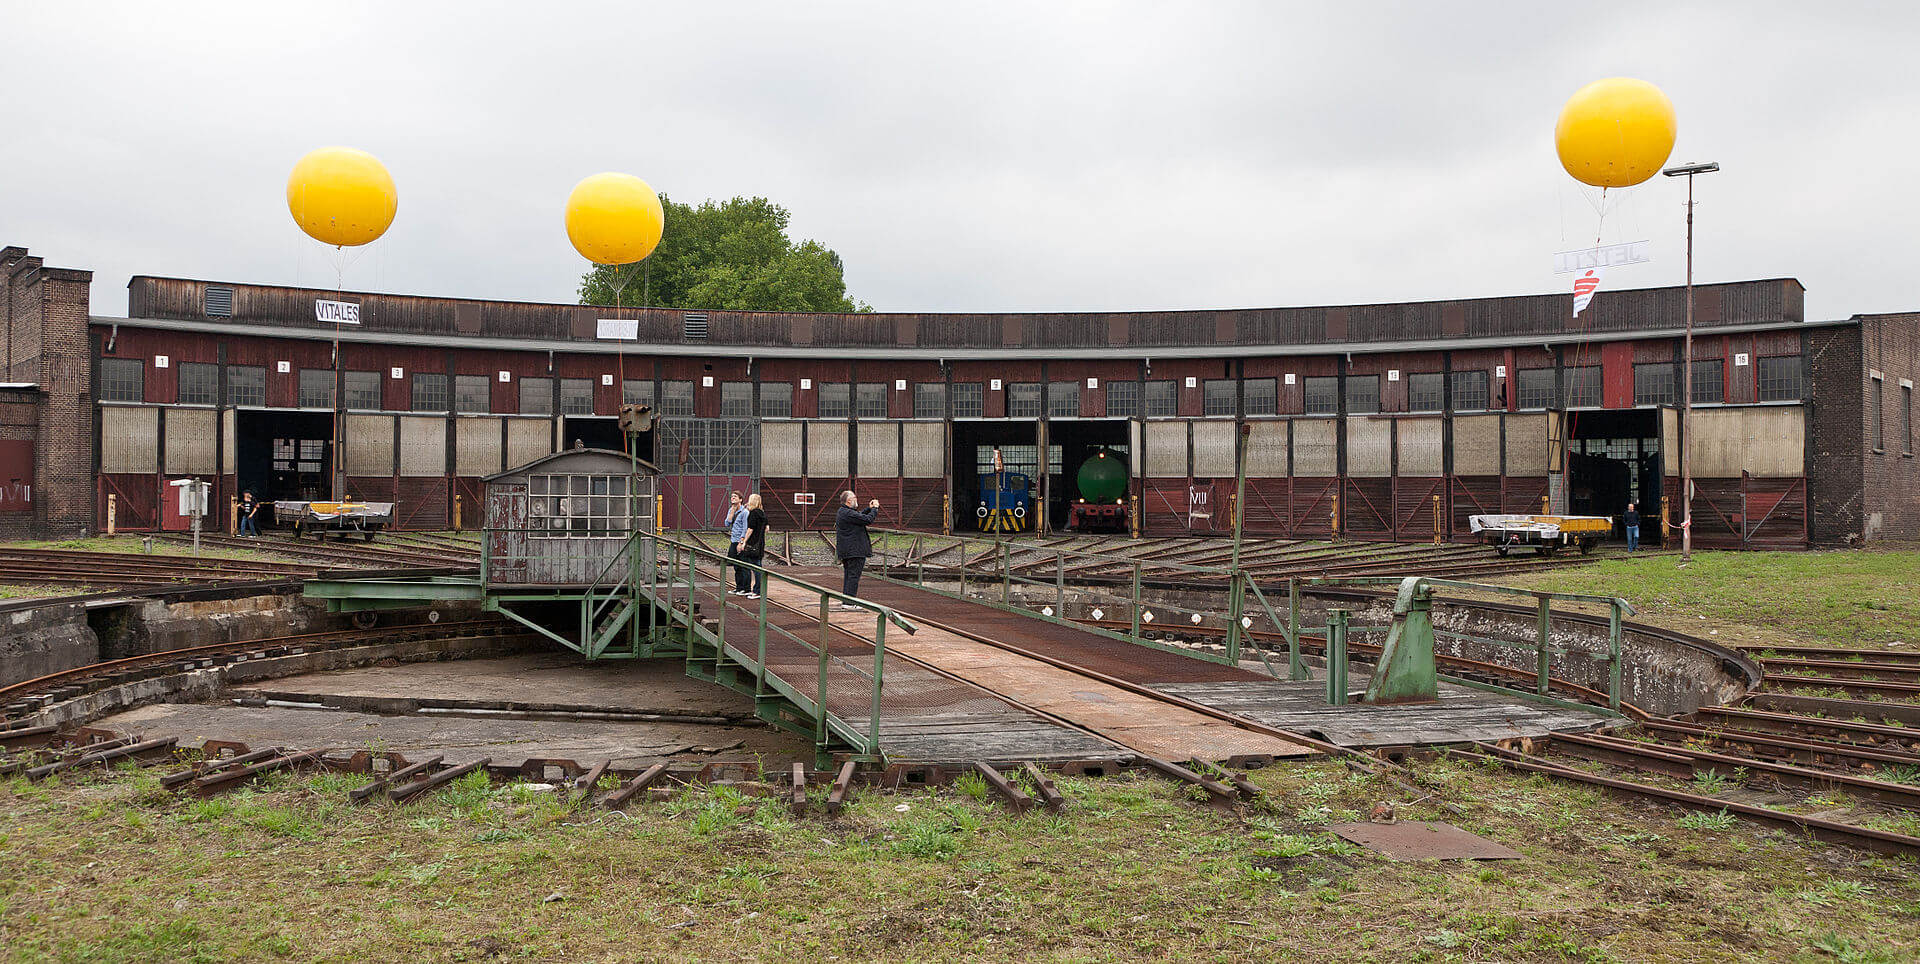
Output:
(456, 512)
(1436, 520)
(112, 506)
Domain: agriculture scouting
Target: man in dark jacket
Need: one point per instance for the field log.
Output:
(1631, 522)
(851, 542)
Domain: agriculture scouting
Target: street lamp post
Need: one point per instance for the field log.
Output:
(1686, 353)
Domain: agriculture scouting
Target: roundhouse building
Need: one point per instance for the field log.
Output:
(1385, 421)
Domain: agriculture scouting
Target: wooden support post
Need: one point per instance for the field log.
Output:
(1049, 794)
(798, 798)
(407, 792)
(1543, 644)
(633, 787)
(1219, 793)
(380, 783)
(842, 782)
(112, 508)
(1016, 799)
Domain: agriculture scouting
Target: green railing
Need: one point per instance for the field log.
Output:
(1231, 601)
(688, 574)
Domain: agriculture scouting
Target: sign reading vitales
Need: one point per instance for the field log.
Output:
(1601, 256)
(338, 312)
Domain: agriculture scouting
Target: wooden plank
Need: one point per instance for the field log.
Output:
(619, 798)
(1049, 794)
(1016, 799)
(798, 801)
(361, 794)
(837, 798)
(411, 790)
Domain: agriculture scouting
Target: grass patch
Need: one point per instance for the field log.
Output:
(1854, 598)
(101, 869)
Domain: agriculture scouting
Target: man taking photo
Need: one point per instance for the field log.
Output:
(851, 543)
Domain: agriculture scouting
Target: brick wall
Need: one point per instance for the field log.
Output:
(1834, 422)
(46, 346)
(1890, 345)
(19, 422)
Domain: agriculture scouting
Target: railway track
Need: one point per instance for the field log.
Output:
(21, 701)
(1781, 740)
(343, 554)
(121, 570)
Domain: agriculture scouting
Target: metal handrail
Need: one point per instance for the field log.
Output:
(883, 616)
(1242, 581)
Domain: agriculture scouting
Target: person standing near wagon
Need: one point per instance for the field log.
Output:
(1630, 521)
(249, 507)
(736, 536)
(851, 543)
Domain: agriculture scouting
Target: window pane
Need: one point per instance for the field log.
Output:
(199, 383)
(636, 391)
(429, 393)
(1876, 416)
(473, 393)
(676, 398)
(536, 396)
(736, 398)
(870, 400)
(1653, 384)
(576, 396)
(1262, 396)
(1063, 399)
(123, 379)
(1363, 394)
(969, 400)
(1780, 379)
(1906, 419)
(363, 391)
(1425, 392)
(1163, 399)
(1470, 391)
(776, 400)
(1322, 394)
(1536, 388)
(246, 385)
(1707, 381)
(316, 388)
(1217, 397)
(836, 399)
(1123, 398)
(1023, 400)
(930, 401)
(1583, 387)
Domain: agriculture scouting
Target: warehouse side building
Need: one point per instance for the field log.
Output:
(1389, 421)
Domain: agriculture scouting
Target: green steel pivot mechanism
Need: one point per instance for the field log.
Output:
(1406, 673)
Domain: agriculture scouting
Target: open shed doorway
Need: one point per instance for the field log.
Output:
(283, 456)
(973, 443)
(1613, 458)
(1075, 441)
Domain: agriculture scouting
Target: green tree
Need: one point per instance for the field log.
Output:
(734, 256)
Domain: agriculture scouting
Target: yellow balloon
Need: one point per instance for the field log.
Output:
(341, 196)
(1615, 132)
(614, 218)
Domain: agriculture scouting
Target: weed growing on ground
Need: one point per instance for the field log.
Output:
(1709, 821)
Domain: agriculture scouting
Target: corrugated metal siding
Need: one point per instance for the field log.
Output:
(190, 441)
(780, 449)
(924, 447)
(423, 448)
(879, 450)
(476, 443)
(368, 440)
(129, 440)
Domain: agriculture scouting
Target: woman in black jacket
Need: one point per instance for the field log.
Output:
(753, 548)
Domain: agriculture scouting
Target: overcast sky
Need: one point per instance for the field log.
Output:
(988, 157)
